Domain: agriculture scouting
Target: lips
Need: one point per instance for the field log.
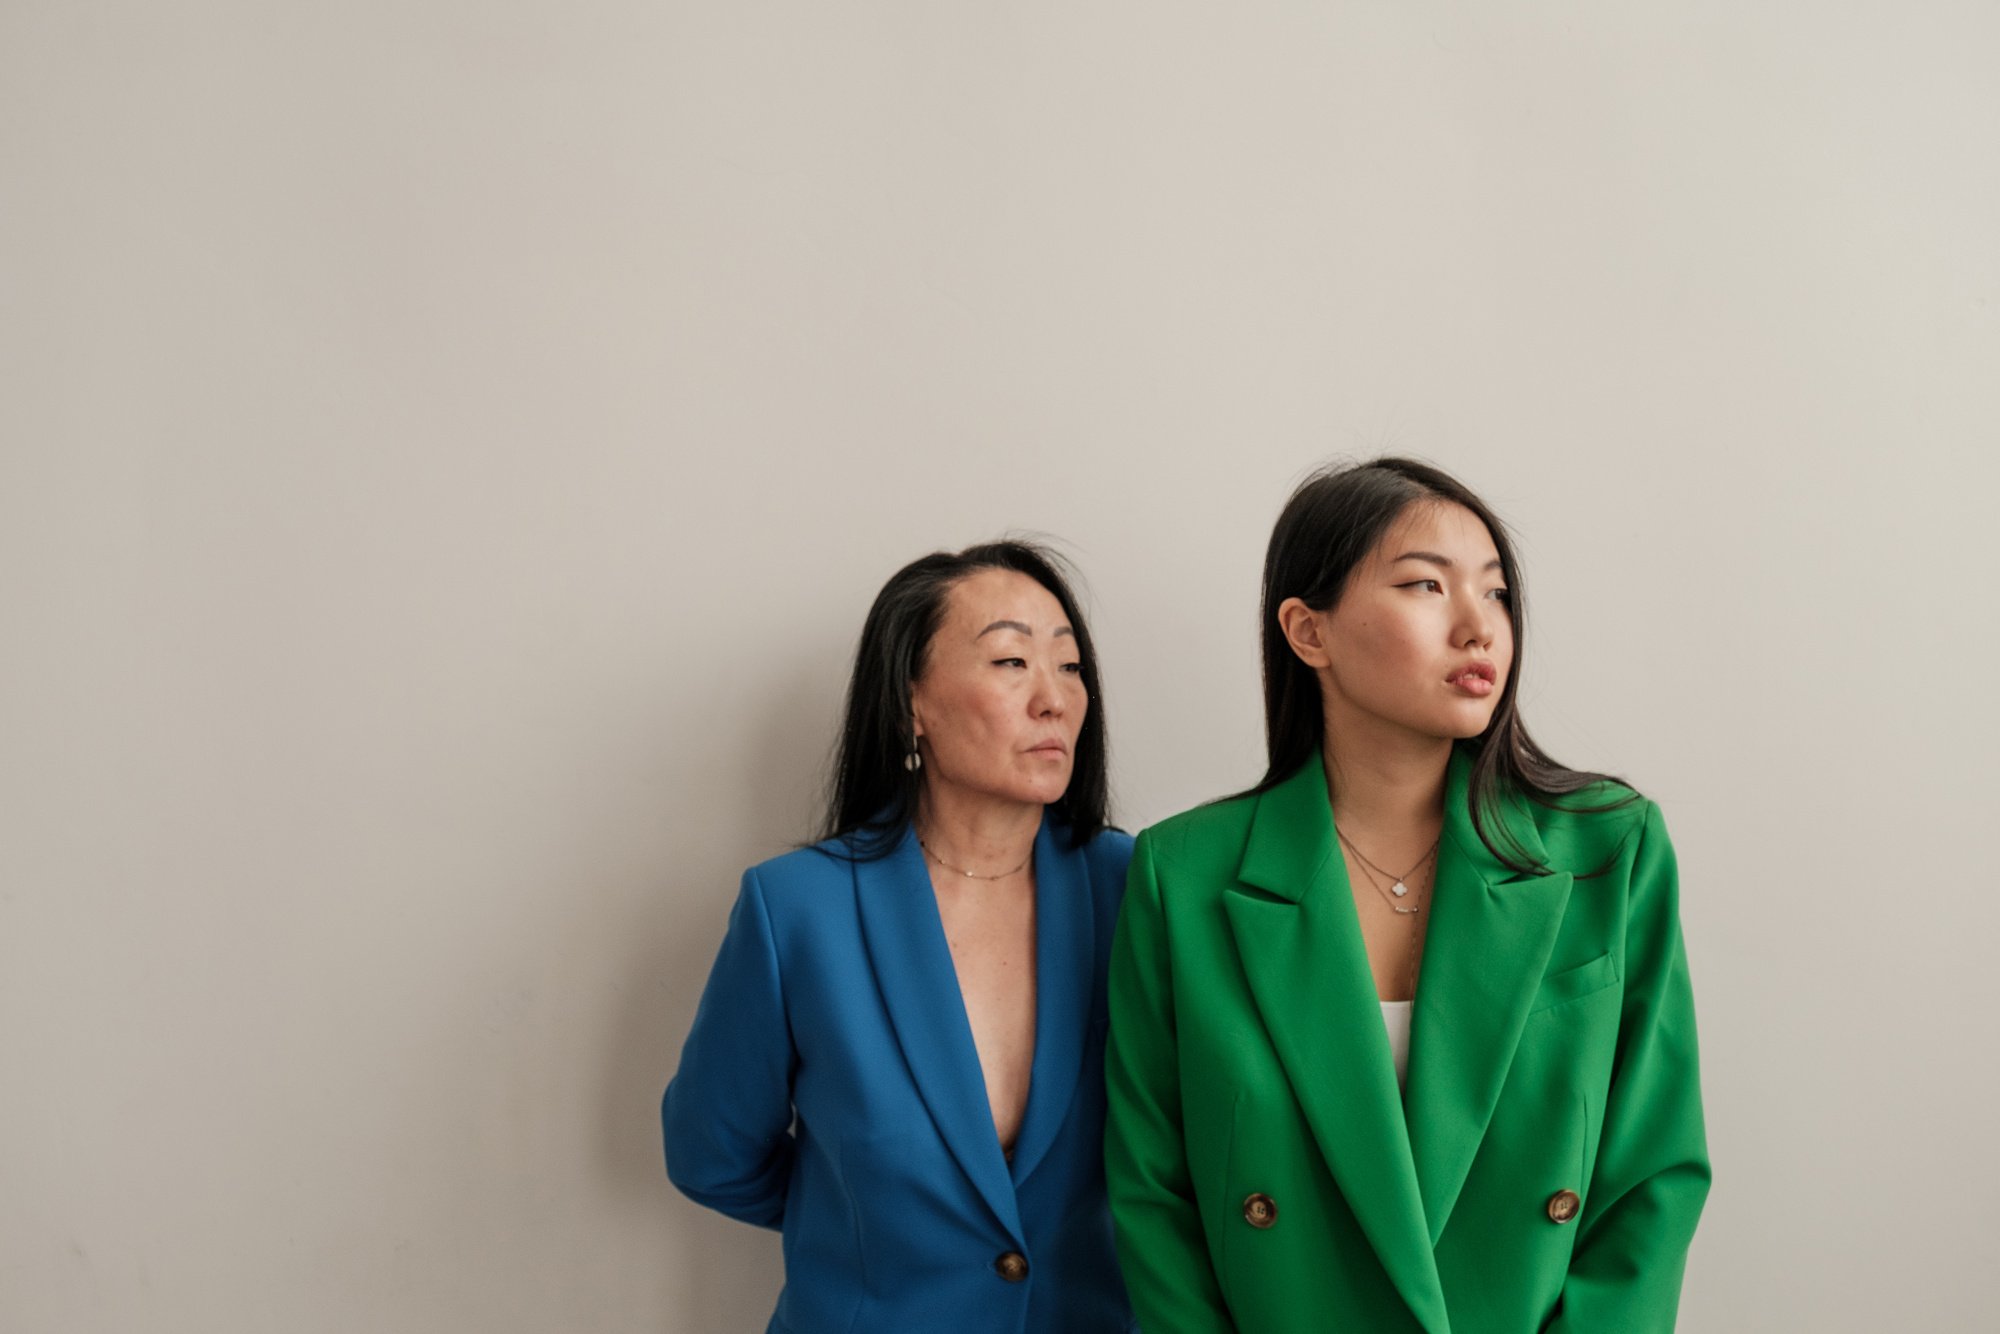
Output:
(1049, 748)
(1475, 678)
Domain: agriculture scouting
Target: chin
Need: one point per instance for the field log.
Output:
(1045, 786)
(1462, 727)
(1045, 794)
(1030, 793)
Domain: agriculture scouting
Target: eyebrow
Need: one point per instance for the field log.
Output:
(1021, 628)
(1444, 562)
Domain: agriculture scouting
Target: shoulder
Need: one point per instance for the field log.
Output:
(1601, 826)
(1210, 834)
(802, 878)
(1224, 822)
(1104, 859)
(1108, 853)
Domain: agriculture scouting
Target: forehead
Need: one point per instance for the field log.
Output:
(1441, 526)
(986, 596)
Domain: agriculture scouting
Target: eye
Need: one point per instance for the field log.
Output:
(1073, 668)
(1501, 595)
(1428, 585)
(1010, 662)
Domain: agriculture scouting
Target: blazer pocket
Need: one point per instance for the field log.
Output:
(1574, 983)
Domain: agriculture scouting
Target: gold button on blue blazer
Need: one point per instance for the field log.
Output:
(830, 1088)
(1547, 1166)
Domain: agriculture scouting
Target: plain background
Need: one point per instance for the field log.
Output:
(447, 449)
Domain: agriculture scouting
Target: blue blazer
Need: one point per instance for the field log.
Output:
(830, 1088)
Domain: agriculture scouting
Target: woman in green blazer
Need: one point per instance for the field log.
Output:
(1402, 1038)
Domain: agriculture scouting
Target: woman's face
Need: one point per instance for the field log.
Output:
(1420, 642)
(1000, 699)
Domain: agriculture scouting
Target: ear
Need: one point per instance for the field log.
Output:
(1303, 631)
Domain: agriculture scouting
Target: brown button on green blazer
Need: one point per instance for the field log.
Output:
(1552, 1051)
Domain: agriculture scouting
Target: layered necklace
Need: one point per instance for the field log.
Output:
(1399, 889)
(1395, 891)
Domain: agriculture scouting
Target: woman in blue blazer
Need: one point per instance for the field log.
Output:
(898, 1059)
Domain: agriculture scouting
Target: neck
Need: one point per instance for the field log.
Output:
(974, 831)
(1389, 782)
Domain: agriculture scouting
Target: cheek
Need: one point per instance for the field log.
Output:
(1387, 647)
(973, 722)
(1387, 661)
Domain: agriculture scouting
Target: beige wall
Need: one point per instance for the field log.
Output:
(446, 451)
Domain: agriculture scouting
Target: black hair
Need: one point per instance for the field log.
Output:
(871, 796)
(1332, 522)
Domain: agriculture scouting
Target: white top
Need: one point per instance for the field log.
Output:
(1396, 1018)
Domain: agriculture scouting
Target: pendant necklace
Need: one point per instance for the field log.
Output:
(1400, 888)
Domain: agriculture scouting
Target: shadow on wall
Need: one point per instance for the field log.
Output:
(720, 1274)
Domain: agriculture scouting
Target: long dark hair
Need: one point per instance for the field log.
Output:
(872, 797)
(1329, 526)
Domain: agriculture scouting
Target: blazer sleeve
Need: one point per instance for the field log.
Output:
(727, 1114)
(1652, 1172)
(1162, 1248)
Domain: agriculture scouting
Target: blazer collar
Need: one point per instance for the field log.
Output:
(919, 984)
(1492, 931)
(1300, 942)
(1065, 983)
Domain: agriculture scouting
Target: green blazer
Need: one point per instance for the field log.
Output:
(1552, 1050)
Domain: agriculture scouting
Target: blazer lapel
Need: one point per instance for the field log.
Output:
(1491, 934)
(1300, 943)
(1065, 947)
(913, 968)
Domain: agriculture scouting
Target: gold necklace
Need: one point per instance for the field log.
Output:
(970, 875)
(1401, 886)
(1368, 870)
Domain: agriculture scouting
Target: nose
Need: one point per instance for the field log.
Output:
(1477, 622)
(1047, 699)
